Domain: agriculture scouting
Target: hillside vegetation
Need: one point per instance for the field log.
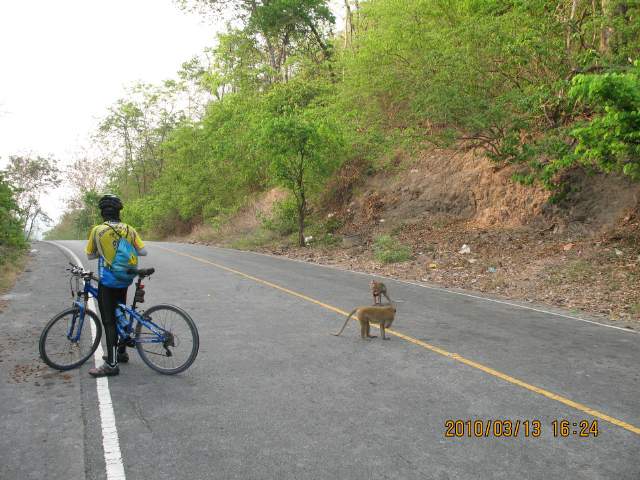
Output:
(493, 113)
(12, 239)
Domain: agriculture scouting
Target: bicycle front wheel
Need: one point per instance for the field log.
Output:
(169, 344)
(66, 341)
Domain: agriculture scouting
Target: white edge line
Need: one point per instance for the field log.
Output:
(438, 289)
(110, 441)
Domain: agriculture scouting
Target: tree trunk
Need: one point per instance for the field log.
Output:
(572, 17)
(302, 201)
(33, 220)
(607, 29)
(348, 24)
(301, 209)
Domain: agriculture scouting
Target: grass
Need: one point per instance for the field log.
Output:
(634, 309)
(497, 282)
(389, 250)
(13, 264)
(574, 271)
(260, 238)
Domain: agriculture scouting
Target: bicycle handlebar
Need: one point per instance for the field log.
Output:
(81, 272)
(77, 270)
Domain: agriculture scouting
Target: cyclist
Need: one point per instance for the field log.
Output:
(102, 244)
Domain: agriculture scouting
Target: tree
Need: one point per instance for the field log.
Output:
(610, 140)
(134, 130)
(304, 146)
(279, 29)
(31, 178)
(11, 224)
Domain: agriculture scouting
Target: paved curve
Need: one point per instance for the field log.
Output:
(273, 396)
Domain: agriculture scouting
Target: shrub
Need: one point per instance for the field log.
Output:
(389, 250)
(284, 217)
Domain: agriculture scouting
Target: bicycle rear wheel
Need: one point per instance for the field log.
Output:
(171, 346)
(66, 342)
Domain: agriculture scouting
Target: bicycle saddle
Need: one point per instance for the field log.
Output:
(143, 272)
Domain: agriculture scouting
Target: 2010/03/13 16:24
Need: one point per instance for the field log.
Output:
(513, 428)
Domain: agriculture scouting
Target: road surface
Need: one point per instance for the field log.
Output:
(273, 396)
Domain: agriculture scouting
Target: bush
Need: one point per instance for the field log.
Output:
(284, 217)
(11, 227)
(390, 250)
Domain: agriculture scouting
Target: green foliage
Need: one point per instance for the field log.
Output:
(30, 177)
(284, 217)
(282, 101)
(11, 223)
(493, 74)
(257, 239)
(304, 147)
(323, 232)
(389, 250)
(610, 140)
(76, 224)
(332, 224)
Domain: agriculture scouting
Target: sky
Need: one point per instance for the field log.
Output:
(63, 63)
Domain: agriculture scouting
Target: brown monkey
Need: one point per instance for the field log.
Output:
(383, 315)
(377, 290)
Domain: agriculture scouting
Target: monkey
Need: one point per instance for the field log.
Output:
(383, 315)
(377, 290)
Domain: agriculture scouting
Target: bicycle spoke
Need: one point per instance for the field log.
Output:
(58, 350)
(177, 340)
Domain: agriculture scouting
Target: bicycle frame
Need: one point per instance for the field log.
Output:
(123, 328)
(82, 297)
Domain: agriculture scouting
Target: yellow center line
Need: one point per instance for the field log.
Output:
(454, 356)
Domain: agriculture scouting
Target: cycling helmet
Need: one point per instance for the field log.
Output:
(110, 201)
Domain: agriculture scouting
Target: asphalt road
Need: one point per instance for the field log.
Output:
(273, 396)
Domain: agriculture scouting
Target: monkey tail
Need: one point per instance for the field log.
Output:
(345, 322)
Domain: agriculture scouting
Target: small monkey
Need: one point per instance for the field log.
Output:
(377, 290)
(382, 315)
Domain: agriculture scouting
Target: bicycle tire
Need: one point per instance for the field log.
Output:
(148, 356)
(46, 339)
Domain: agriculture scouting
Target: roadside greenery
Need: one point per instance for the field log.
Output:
(389, 250)
(11, 221)
(283, 100)
(12, 237)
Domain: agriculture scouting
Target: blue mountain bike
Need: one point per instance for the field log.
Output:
(164, 335)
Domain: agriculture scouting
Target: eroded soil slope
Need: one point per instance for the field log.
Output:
(581, 253)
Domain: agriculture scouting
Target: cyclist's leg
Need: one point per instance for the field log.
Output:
(120, 296)
(108, 298)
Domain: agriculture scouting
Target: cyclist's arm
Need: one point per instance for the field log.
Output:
(91, 250)
(138, 244)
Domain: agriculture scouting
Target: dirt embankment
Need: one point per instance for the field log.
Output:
(581, 254)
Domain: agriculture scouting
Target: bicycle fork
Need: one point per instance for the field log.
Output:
(78, 318)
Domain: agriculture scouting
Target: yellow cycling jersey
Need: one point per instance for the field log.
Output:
(104, 240)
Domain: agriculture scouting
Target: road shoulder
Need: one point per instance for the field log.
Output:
(43, 431)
